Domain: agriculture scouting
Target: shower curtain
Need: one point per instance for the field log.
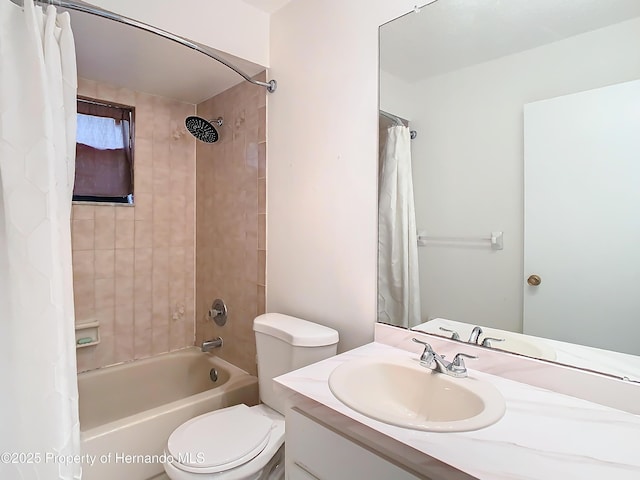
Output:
(39, 426)
(398, 281)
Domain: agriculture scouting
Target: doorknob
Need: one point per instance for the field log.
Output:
(534, 280)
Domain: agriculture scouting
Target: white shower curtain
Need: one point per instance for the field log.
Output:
(39, 426)
(398, 281)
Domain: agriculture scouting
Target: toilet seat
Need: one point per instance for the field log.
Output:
(220, 440)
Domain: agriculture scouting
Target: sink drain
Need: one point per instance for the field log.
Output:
(213, 375)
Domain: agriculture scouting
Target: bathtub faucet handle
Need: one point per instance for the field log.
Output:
(218, 312)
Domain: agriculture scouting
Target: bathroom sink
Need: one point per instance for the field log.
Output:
(404, 393)
(522, 345)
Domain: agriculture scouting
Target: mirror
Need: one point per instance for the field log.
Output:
(524, 177)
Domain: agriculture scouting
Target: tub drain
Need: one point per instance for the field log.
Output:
(213, 375)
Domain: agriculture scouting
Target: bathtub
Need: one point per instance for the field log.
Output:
(128, 411)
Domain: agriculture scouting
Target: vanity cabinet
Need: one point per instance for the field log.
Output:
(328, 440)
(314, 451)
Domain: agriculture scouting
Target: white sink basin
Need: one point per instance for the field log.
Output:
(404, 393)
(522, 345)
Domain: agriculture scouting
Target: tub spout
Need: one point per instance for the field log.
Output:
(209, 345)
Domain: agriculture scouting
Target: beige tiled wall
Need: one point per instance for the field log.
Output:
(134, 267)
(231, 218)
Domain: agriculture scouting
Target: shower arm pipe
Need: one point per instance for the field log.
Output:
(84, 7)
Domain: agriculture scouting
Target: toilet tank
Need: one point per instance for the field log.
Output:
(284, 344)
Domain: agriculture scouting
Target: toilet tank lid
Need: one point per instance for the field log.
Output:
(295, 331)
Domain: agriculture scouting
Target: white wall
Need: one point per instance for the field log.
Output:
(395, 96)
(468, 165)
(322, 163)
(230, 26)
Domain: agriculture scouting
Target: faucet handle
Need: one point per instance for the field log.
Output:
(487, 341)
(458, 366)
(421, 342)
(455, 336)
(427, 354)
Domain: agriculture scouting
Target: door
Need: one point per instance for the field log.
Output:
(582, 218)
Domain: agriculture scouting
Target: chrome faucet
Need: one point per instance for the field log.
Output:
(209, 345)
(474, 338)
(475, 335)
(437, 363)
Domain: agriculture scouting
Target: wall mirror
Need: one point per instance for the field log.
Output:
(524, 174)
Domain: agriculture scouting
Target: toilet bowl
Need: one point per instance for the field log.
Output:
(247, 443)
(234, 443)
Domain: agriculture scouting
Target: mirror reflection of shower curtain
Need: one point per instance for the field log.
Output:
(39, 399)
(398, 280)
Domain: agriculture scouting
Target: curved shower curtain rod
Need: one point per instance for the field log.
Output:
(398, 121)
(93, 10)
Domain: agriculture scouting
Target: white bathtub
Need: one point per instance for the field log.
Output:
(127, 412)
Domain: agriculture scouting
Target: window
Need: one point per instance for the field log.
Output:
(104, 152)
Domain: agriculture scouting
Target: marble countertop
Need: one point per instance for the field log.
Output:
(544, 435)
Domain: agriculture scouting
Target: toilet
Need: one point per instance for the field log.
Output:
(247, 443)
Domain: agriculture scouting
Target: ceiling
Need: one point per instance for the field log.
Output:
(268, 6)
(124, 56)
(451, 34)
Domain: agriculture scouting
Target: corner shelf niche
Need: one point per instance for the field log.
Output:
(88, 334)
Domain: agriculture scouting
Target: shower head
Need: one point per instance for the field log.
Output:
(202, 129)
